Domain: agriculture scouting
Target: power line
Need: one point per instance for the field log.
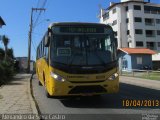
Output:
(37, 19)
(30, 35)
(33, 45)
(38, 3)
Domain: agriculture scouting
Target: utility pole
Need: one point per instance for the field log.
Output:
(30, 36)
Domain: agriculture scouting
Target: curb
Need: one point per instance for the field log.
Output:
(34, 104)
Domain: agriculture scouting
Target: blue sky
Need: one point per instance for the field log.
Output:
(16, 14)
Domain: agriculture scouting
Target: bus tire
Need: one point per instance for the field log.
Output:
(46, 92)
(39, 83)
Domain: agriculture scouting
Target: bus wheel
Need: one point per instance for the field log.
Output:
(39, 83)
(46, 92)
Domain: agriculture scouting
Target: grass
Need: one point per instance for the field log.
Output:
(143, 75)
(152, 76)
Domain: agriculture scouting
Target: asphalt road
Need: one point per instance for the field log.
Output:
(99, 108)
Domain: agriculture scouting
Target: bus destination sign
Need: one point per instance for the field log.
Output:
(82, 29)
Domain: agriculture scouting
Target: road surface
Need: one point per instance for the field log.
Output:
(105, 106)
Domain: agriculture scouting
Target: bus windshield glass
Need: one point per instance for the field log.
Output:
(83, 50)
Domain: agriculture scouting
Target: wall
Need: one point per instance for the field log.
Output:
(127, 57)
(146, 60)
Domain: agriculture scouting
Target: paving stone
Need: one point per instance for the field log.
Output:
(14, 97)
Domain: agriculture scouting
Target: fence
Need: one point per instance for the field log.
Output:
(147, 74)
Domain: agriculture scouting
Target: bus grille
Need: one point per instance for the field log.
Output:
(87, 89)
(87, 81)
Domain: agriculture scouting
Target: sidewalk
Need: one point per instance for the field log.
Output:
(15, 96)
(152, 84)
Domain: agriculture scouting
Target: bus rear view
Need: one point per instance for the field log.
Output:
(81, 59)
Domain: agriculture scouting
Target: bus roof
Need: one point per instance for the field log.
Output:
(77, 23)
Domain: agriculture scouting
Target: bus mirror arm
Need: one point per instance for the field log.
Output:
(47, 41)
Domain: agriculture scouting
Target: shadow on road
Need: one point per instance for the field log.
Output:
(127, 92)
(104, 101)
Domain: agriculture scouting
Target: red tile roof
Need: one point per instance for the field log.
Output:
(137, 51)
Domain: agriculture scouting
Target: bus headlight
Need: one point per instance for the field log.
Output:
(113, 77)
(57, 77)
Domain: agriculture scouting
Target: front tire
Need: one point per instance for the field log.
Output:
(39, 83)
(47, 94)
(45, 84)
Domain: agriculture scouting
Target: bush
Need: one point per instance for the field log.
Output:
(6, 71)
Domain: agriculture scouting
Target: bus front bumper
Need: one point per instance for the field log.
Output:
(67, 88)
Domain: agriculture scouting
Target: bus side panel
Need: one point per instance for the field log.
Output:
(40, 70)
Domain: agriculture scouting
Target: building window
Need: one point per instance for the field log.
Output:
(158, 32)
(139, 44)
(137, 7)
(127, 20)
(147, 9)
(139, 60)
(149, 21)
(105, 16)
(158, 21)
(158, 44)
(114, 10)
(128, 32)
(137, 19)
(124, 63)
(126, 8)
(115, 33)
(138, 31)
(154, 11)
(151, 9)
(114, 22)
(150, 45)
(150, 33)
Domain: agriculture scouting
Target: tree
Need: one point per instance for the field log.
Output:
(5, 41)
(2, 54)
(10, 53)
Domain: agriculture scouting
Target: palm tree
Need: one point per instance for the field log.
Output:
(5, 41)
(10, 53)
(2, 53)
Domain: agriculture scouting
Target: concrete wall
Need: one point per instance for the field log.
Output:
(124, 57)
(146, 60)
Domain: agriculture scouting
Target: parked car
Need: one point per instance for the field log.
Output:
(146, 67)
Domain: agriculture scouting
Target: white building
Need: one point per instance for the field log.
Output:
(136, 23)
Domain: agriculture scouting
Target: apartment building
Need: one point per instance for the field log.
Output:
(136, 24)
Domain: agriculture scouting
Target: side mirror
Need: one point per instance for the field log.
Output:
(47, 38)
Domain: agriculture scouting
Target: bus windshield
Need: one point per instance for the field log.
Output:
(83, 50)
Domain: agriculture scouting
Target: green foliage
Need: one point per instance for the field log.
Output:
(5, 40)
(6, 71)
(6, 61)
(10, 53)
(2, 54)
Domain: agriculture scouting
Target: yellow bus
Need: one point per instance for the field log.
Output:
(78, 59)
